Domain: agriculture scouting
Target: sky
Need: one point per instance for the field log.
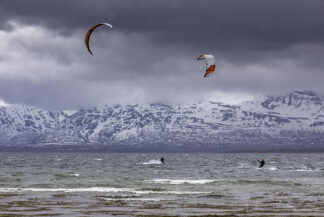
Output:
(150, 56)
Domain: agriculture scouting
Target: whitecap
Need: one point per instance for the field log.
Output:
(272, 168)
(307, 170)
(244, 166)
(67, 190)
(133, 199)
(183, 192)
(98, 189)
(152, 162)
(303, 170)
(181, 181)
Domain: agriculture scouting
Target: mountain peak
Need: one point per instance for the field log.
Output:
(306, 93)
(295, 98)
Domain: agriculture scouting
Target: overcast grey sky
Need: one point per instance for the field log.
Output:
(261, 47)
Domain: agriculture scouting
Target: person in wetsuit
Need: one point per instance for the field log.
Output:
(162, 160)
(262, 163)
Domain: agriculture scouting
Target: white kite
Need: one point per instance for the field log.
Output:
(210, 64)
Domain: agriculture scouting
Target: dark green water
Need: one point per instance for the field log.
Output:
(40, 184)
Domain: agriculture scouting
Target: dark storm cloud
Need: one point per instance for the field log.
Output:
(222, 24)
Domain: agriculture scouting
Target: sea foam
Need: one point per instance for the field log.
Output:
(98, 189)
(181, 181)
(152, 162)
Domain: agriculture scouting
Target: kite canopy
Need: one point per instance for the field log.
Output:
(210, 64)
(87, 38)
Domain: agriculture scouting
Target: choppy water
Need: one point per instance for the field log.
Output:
(139, 185)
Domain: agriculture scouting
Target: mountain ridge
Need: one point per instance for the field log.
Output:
(294, 121)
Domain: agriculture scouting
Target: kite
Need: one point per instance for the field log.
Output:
(210, 64)
(87, 38)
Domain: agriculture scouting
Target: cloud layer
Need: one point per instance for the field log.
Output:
(150, 55)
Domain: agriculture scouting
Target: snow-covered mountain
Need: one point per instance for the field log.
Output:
(293, 121)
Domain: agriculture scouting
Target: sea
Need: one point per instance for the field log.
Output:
(138, 184)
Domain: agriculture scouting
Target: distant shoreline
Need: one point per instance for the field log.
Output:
(162, 149)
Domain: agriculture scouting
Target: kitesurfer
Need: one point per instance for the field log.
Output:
(262, 163)
(162, 160)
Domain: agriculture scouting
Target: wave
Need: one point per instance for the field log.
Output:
(307, 170)
(181, 181)
(272, 168)
(67, 190)
(97, 189)
(152, 162)
(133, 199)
(244, 166)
